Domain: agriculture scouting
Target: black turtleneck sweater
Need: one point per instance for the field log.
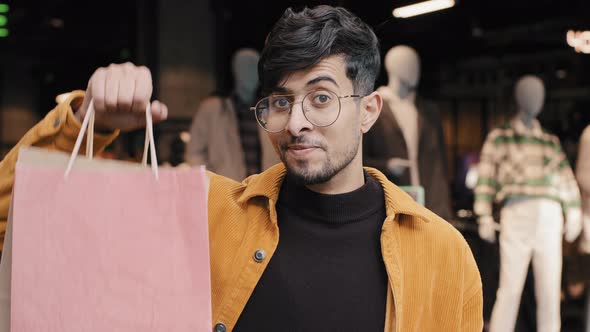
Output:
(327, 273)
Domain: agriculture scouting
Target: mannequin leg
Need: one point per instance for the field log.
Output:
(515, 256)
(547, 264)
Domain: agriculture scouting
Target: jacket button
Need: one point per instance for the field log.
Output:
(220, 327)
(56, 123)
(259, 255)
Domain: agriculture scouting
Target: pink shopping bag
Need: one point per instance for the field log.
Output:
(110, 247)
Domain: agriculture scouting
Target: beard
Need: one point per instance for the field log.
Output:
(303, 173)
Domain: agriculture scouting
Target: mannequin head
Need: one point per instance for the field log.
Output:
(403, 69)
(245, 71)
(529, 94)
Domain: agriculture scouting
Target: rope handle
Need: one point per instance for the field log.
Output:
(88, 123)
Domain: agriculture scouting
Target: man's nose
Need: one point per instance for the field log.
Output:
(297, 120)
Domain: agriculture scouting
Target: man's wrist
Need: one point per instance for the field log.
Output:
(78, 115)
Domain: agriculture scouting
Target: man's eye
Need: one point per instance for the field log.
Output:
(322, 99)
(281, 103)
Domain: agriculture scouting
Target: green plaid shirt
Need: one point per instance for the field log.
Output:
(520, 162)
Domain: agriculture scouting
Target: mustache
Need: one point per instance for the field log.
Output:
(284, 145)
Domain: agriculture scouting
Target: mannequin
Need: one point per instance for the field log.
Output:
(583, 176)
(224, 134)
(525, 172)
(406, 143)
(245, 71)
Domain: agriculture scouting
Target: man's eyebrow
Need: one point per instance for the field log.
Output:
(283, 90)
(280, 89)
(321, 79)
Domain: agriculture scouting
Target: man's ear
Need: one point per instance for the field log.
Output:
(371, 108)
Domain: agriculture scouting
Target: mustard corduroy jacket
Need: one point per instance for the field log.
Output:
(434, 283)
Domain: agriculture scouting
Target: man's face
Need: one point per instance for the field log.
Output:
(314, 154)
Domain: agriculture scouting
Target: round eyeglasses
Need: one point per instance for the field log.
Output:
(320, 107)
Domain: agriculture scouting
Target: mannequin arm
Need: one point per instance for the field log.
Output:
(487, 228)
(487, 185)
(569, 195)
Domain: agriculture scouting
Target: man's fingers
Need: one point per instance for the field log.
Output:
(126, 93)
(121, 93)
(97, 92)
(159, 111)
(113, 77)
(143, 89)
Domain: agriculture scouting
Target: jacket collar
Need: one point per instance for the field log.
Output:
(268, 184)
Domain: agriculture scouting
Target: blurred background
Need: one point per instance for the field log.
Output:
(471, 54)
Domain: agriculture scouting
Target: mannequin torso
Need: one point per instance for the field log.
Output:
(407, 143)
(406, 114)
(403, 68)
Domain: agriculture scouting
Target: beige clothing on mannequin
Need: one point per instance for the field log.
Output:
(530, 233)
(583, 177)
(215, 141)
(406, 114)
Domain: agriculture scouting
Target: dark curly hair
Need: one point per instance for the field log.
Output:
(300, 40)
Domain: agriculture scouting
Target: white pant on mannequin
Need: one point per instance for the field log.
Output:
(529, 229)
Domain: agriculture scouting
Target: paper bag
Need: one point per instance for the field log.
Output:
(108, 250)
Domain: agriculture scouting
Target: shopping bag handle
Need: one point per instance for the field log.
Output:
(88, 122)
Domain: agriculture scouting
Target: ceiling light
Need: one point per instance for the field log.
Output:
(422, 8)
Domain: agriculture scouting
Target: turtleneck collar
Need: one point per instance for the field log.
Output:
(348, 207)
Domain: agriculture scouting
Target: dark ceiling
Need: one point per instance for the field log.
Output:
(471, 27)
(61, 33)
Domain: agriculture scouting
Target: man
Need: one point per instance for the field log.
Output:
(355, 253)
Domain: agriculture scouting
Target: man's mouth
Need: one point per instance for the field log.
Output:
(300, 150)
(301, 146)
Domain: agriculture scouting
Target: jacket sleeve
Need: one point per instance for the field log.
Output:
(57, 131)
(197, 149)
(487, 183)
(472, 319)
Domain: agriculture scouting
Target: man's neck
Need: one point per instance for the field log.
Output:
(348, 179)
